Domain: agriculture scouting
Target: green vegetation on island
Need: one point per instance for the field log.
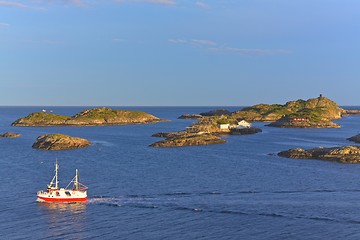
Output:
(92, 117)
(312, 113)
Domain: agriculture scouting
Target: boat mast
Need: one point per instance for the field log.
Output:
(56, 175)
(77, 180)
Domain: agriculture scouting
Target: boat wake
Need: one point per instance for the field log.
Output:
(250, 203)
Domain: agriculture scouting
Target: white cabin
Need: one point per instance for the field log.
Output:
(243, 124)
(224, 126)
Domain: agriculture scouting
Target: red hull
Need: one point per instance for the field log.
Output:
(63, 199)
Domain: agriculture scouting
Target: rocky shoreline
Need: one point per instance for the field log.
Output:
(181, 140)
(346, 154)
(59, 142)
(10, 135)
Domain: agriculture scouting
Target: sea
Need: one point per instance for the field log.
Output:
(237, 190)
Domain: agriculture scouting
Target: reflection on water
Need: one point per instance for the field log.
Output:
(63, 207)
(64, 219)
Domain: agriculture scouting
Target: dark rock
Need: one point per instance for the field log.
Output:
(355, 138)
(217, 112)
(168, 134)
(244, 131)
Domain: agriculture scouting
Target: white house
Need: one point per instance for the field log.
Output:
(224, 126)
(243, 124)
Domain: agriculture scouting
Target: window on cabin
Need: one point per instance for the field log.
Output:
(68, 194)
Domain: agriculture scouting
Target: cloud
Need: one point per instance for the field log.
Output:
(18, 5)
(250, 52)
(212, 46)
(3, 25)
(203, 42)
(163, 2)
(177, 41)
(117, 40)
(202, 5)
(196, 42)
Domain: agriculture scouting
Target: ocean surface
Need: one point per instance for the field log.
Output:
(237, 190)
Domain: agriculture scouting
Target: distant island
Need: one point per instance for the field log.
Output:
(93, 117)
(355, 138)
(208, 130)
(59, 142)
(10, 135)
(346, 154)
(312, 113)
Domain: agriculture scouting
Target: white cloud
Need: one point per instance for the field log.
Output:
(19, 5)
(212, 46)
(164, 2)
(3, 25)
(177, 41)
(250, 52)
(202, 5)
(203, 42)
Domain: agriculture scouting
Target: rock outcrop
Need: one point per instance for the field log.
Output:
(346, 154)
(244, 131)
(190, 116)
(92, 117)
(289, 122)
(355, 138)
(217, 112)
(189, 140)
(59, 142)
(351, 112)
(10, 135)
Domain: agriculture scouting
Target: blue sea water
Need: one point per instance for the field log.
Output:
(237, 190)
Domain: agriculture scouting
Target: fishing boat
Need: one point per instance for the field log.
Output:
(73, 192)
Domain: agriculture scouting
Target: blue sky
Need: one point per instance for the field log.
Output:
(178, 52)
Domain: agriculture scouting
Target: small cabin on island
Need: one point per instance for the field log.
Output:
(243, 124)
(224, 126)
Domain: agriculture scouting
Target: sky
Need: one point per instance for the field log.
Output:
(178, 52)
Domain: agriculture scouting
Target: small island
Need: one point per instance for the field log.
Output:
(345, 154)
(59, 142)
(190, 116)
(355, 138)
(93, 117)
(188, 139)
(312, 113)
(10, 135)
(208, 130)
